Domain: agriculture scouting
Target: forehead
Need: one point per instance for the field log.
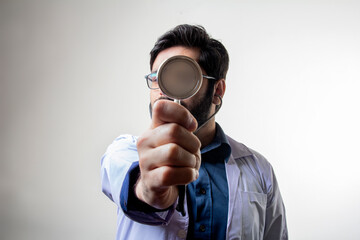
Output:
(193, 53)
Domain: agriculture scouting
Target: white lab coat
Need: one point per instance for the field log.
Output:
(256, 209)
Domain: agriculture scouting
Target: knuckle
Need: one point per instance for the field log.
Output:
(143, 140)
(140, 142)
(145, 162)
(142, 164)
(173, 151)
(197, 144)
(174, 131)
(165, 179)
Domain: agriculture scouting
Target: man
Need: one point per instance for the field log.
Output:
(231, 190)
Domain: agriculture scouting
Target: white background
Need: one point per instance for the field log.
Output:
(72, 80)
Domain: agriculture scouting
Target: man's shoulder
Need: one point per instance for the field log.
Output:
(238, 149)
(243, 153)
(254, 167)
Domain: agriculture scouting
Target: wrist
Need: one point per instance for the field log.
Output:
(160, 199)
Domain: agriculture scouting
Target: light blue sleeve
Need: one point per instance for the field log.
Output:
(115, 164)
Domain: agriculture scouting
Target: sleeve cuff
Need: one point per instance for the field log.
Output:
(136, 209)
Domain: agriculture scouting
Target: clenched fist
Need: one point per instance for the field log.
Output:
(169, 154)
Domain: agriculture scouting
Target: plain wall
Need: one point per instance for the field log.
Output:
(72, 80)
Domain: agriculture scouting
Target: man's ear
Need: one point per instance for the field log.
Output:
(219, 90)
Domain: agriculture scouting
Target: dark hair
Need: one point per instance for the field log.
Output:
(214, 58)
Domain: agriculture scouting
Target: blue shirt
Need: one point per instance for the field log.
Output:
(208, 195)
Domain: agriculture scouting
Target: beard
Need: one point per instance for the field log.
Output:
(200, 109)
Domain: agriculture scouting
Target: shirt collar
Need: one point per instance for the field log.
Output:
(220, 144)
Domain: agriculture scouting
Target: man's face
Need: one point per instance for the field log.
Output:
(199, 105)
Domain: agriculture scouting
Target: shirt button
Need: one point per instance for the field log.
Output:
(202, 228)
(203, 191)
(182, 233)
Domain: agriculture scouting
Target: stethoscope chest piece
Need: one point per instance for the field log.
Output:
(179, 77)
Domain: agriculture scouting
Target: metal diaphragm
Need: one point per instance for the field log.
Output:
(179, 77)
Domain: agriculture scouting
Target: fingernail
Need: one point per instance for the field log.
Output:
(196, 174)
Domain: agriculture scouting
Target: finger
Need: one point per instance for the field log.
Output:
(165, 111)
(171, 133)
(167, 155)
(170, 176)
(198, 160)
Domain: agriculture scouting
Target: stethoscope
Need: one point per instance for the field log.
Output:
(180, 77)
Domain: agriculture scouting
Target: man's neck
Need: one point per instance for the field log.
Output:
(207, 133)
